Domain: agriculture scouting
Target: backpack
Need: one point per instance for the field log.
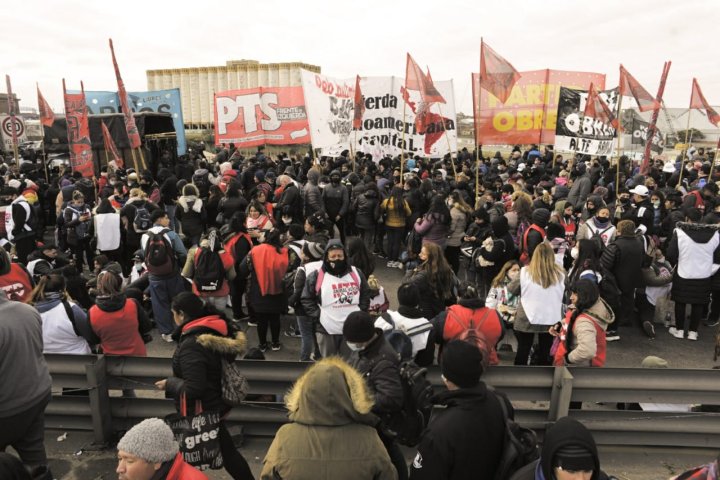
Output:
(409, 423)
(82, 229)
(201, 179)
(472, 334)
(597, 236)
(159, 254)
(142, 222)
(520, 445)
(209, 271)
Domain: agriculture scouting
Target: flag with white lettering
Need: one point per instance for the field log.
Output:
(577, 132)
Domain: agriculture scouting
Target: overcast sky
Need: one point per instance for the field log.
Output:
(45, 41)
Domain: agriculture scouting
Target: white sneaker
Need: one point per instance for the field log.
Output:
(678, 333)
(692, 335)
(400, 265)
(167, 337)
(390, 264)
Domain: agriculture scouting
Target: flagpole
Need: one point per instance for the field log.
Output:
(355, 154)
(617, 148)
(447, 137)
(687, 147)
(402, 145)
(476, 112)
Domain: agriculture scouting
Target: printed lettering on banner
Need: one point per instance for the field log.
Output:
(575, 132)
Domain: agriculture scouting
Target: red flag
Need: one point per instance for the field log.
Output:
(359, 105)
(11, 112)
(628, 85)
(497, 75)
(78, 132)
(697, 100)
(415, 79)
(595, 107)
(47, 117)
(130, 126)
(110, 147)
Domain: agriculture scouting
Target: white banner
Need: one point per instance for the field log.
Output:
(387, 121)
(6, 128)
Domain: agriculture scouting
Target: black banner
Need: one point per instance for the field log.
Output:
(640, 134)
(576, 133)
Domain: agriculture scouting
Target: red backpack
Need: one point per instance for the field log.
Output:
(472, 333)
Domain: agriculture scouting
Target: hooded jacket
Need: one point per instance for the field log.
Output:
(464, 438)
(312, 194)
(191, 214)
(330, 435)
(197, 365)
(693, 249)
(367, 209)
(587, 349)
(335, 198)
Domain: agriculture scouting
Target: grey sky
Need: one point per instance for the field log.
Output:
(45, 41)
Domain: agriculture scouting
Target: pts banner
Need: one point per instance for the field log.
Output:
(530, 113)
(261, 116)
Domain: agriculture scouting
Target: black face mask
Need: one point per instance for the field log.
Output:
(334, 180)
(591, 209)
(624, 201)
(336, 268)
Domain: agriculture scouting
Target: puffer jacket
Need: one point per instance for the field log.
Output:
(191, 214)
(624, 258)
(330, 435)
(433, 230)
(584, 345)
(367, 210)
(458, 224)
(197, 365)
(312, 196)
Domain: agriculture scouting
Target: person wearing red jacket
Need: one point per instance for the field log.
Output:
(149, 451)
(15, 280)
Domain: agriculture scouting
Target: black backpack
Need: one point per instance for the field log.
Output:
(520, 445)
(209, 271)
(159, 254)
(409, 423)
(142, 222)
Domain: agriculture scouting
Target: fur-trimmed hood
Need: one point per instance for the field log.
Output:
(699, 232)
(330, 393)
(185, 202)
(212, 333)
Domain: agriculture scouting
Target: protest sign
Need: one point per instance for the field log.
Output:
(576, 132)
(640, 135)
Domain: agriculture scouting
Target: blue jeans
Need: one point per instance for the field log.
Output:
(162, 292)
(307, 337)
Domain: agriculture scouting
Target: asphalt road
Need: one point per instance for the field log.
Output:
(74, 458)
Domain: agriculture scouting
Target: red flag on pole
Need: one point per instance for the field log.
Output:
(628, 85)
(130, 126)
(11, 112)
(415, 79)
(697, 100)
(497, 75)
(359, 105)
(595, 107)
(47, 117)
(110, 147)
(78, 132)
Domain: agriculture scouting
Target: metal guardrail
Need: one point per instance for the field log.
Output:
(541, 395)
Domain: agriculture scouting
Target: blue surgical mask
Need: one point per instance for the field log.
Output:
(354, 346)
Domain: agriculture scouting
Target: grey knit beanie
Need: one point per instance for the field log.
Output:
(151, 440)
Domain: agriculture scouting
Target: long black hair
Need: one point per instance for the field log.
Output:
(193, 307)
(396, 194)
(588, 259)
(439, 210)
(587, 294)
(360, 257)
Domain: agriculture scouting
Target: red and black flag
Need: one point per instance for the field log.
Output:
(358, 105)
(47, 116)
(595, 107)
(630, 86)
(111, 148)
(697, 100)
(497, 75)
(130, 127)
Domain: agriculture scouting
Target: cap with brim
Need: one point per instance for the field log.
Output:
(669, 168)
(641, 190)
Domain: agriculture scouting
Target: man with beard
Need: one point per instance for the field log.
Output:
(331, 293)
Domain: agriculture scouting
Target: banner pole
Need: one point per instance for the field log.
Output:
(476, 112)
(448, 142)
(44, 155)
(617, 148)
(134, 159)
(355, 154)
(685, 150)
(402, 146)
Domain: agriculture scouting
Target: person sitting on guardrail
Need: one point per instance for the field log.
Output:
(331, 434)
(569, 452)
(149, 451)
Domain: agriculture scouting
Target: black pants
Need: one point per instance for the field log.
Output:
(24, 247)
(237, 289)
(25, 432)
(626, 313)
(714, 313)
(452, 255)
(340, 224)
(525, 343)
(696, 312)
(265, 319)
(233, 461)
(83, 250)
(394, 242)
(396, 456)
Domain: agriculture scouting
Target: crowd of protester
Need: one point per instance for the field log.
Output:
(561, 253)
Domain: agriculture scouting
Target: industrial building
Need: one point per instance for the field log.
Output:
(197, 85)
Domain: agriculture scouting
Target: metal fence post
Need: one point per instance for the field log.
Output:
(561, 394)
(99, 400)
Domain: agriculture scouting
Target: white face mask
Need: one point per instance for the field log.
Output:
(513, 275)
(354, 346)
(287, 220)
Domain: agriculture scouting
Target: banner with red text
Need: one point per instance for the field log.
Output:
(530, 113)
(261, 116)
(330, 108)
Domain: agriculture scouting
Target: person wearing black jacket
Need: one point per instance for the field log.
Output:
(642, 210)
(290, 203)
(169, 194)
(464, 438)
(379, 364)
(204, 337)
(337, 202)
(494, 257)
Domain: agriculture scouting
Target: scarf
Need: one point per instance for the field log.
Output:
(600, 224)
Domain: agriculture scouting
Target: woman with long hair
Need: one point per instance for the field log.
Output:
(64, 324)
(396, 210)
(360, 256)
(236, 243)
(541, 286)
(581, 335)
(434, 226)
(520, 214)
(257, 222)
(205, 338)
(265, 266)
(587, 263)
(459, 213)
(500, 297)
(435, 280)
